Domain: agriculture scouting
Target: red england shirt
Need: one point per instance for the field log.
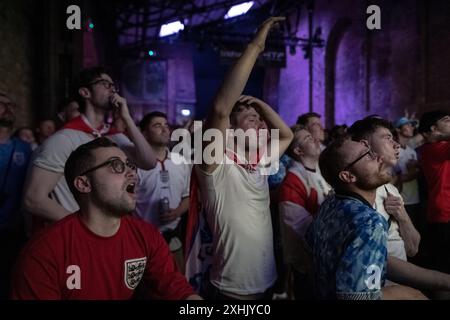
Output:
(68, 261)
(435, 161)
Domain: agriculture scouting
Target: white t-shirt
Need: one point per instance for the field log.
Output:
(395, 244)
(54, 152)
(236, 204)
(153, 186)
(410, 189)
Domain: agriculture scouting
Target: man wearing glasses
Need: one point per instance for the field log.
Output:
(101, 252)
(348, 237)
(97, 95)
(403, 238)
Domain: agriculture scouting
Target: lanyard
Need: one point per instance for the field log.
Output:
(251, 167)
(164, 174)
(163, 167)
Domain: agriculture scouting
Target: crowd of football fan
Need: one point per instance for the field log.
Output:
(97, 210)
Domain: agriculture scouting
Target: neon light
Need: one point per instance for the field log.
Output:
(239, 9)
(171, 28)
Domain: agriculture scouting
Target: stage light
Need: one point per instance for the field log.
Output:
(239, 9)
(151, 53)
(170, 28)
(185, 112)
(91, 25)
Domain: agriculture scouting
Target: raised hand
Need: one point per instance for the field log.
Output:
(263, 31)
(406, 113)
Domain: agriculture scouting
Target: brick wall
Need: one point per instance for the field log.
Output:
(16, 49)
(402, 66)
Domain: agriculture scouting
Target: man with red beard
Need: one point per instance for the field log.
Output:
(403, 238)
(348, 237)
(100, 252)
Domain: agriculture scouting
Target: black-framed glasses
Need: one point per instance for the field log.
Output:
(107, 84)
(116, 164)
(369, 152)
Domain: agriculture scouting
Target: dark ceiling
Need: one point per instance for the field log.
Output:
(138, 22)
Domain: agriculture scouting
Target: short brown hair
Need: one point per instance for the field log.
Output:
(364, 128)
(430, 119)
(85, 78)
(143, 124)
(331, 161)
(82, 159)
(294, 143)
(238, 107)
(304, 118)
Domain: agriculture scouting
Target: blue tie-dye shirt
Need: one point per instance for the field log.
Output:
(348, 242)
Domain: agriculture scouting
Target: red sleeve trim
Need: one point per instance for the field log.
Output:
(293, 190)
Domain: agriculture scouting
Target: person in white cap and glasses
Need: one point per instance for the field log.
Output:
(407, 169)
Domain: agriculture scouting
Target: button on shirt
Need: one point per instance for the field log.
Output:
(152, 187)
